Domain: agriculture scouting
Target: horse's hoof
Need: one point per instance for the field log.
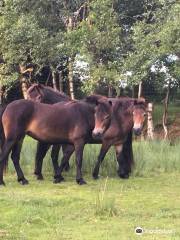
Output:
(96, 177)
(81, 181)
(40, 177)
(58, 180)
(2, 184)
(124, 176)
(67, 168)
(24, 182)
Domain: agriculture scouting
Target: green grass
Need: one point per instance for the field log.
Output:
(109, 208)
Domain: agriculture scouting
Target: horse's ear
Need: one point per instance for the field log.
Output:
(39, 88)
(135, 101)
(110, 102)
(139, 101)
(39, 85)
(96, 102)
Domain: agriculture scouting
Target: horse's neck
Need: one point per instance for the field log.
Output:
(124, 120)
(55, 97)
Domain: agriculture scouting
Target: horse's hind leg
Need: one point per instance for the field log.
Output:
(41, 151)
(7, 147)
(104, 148)
(15, 158)
(79, 148)
(67, 152)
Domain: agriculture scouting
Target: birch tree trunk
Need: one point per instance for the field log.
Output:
(70, 76)
(70, 27)
(165, 114)
(54, 80)
(150, 126)
(24, 87)
(140, 90)
(60, 81)
(109, 91)
(23, 79)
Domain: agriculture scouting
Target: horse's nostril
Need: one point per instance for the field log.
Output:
(137, 131)
(97, 134)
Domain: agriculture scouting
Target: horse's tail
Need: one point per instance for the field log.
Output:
(2, 136)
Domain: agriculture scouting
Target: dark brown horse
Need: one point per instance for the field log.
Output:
(61, 123)
(127, 114)
(38, 93)
(44, 94)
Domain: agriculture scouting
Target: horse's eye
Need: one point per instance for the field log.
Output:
(145, 114)
(106, 117)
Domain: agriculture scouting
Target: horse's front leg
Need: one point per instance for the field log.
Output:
(15, 158)
(54, 156)
(124, 155)
(104, 149)
(41, 151)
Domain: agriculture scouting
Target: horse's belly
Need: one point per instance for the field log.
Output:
(46, 133)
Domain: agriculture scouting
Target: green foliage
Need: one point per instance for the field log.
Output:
(154, 40)
(114, 37)
(100, 41)
(31, 33)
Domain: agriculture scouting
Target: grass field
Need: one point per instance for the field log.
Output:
(109, 208)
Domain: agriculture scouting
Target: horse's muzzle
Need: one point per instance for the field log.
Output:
(137, 131)
(97, 133)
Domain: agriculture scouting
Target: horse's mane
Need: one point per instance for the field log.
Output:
(94, 98)
(47, 89)
(126, 103)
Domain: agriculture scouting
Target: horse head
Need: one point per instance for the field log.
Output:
(139, 115)
(103, 111)
(35, 92)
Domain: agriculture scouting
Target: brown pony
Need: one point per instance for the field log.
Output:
(61, 123)
(44, 94)
(127, 114)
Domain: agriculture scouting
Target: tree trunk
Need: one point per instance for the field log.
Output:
(2, 93)
(165, 114)
(24, 87)
(60, 79)
(54, 80)
(70, 76)
(109, 91)
(150, 127)
(140, 90)
(70, 27)
(133, 91)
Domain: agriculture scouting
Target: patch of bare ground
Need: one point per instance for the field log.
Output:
(173, 129)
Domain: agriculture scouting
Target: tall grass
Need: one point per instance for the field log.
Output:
(150, 158)
(104, 204)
